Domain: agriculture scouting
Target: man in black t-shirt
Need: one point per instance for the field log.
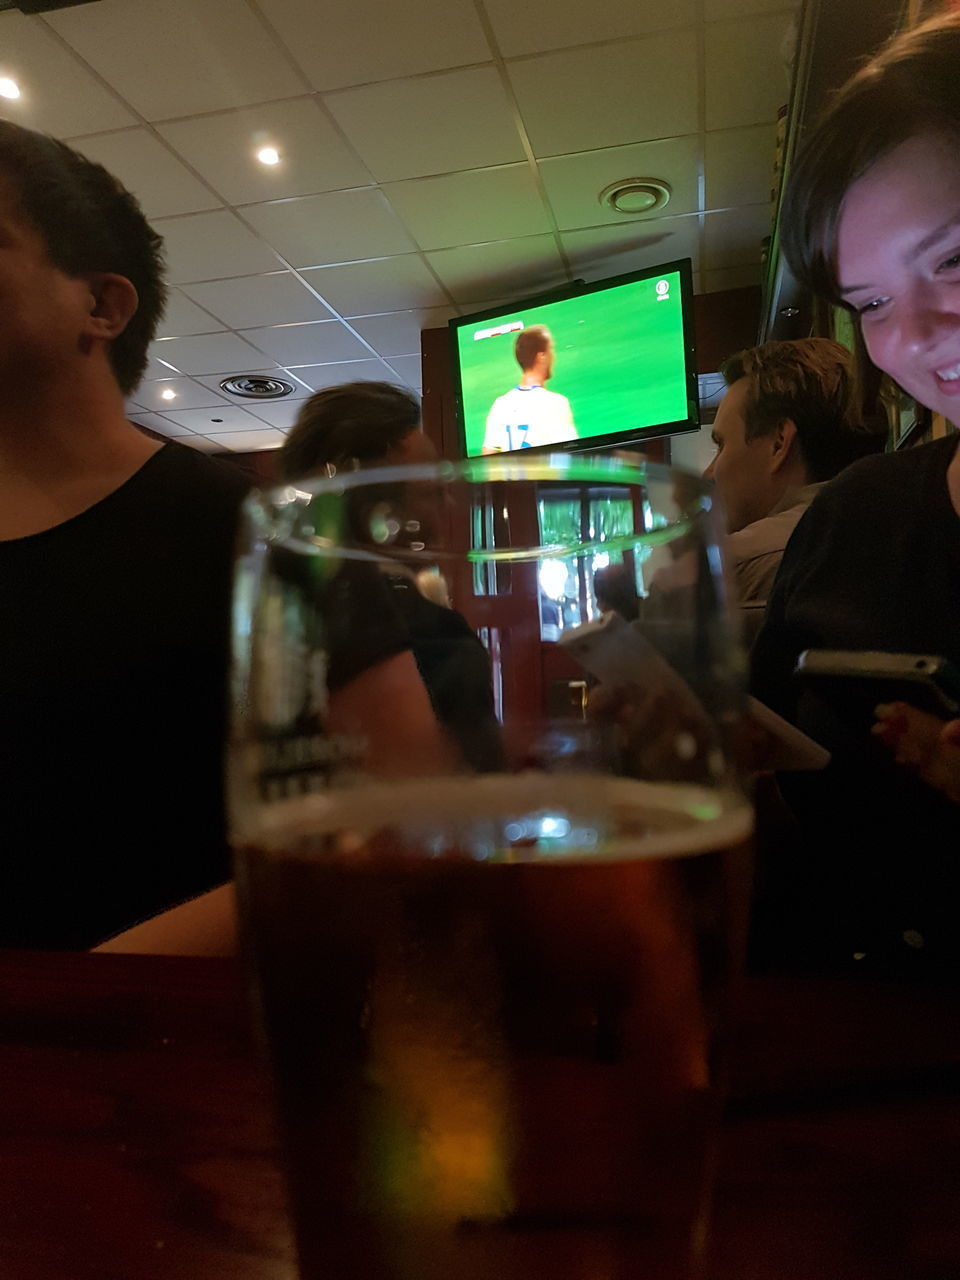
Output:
(115, 565)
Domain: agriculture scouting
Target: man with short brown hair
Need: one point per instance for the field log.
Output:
(787, 424)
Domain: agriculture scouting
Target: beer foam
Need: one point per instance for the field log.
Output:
(626, 818)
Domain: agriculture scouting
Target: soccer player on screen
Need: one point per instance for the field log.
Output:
(530, 415)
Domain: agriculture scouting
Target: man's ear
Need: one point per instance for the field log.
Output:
(783, 445)
(113, 302)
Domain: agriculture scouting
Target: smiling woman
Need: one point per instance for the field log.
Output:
(898, 262)
(872, 223)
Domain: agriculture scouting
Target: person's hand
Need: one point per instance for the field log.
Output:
(923, 744)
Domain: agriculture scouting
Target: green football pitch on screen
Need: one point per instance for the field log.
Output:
(619, 359)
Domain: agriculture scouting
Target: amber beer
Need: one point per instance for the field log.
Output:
(494, 1058)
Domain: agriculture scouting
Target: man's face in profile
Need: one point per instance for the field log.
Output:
(740, 469)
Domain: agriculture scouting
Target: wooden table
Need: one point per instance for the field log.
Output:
(136, 1140)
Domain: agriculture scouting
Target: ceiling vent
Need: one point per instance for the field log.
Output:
(634, 196)
(251, 386)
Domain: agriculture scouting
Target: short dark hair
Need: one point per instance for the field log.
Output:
(89, 223)
(355, 424)
(530, 342)
(614, 590)
(809, 381)
(912, 86)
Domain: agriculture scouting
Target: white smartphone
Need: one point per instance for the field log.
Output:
(617, 652)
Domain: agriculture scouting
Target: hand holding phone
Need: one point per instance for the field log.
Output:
(922, 743)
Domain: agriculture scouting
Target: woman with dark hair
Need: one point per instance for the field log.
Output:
(871, 221)
(376, 424)
(357, 424)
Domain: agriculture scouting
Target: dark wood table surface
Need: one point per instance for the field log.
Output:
(136, 1139)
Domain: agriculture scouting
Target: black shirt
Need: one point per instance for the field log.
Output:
(113, 691)
(873, 564)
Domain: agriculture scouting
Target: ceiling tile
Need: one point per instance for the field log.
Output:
(735, 237)
(464, 208)
(183, 317)
(165, 426)
(506, 267)
(394, 125)
(574, 182)
(205, 57)
(410, 369)
(213, 353)
(608, 251)
(729, 278)
(159, 181)
(159, 361)
(337, 227)
(739, 165)
(147, 169)
(187, 395)
(716, 10)
(280, 413)
(321, 343)
(259, 300)
(649, 91)
(38, 63)
(223, 149)
(216, 421)
(332, 375)
(387, 284)
(203, 444)
(398, 334)
(570, 22)
(746, 81)
(242, 441)
(333, 44)
(210, 246)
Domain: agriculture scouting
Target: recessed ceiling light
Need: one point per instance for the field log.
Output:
(633, 196)
(9, 88)
(268, 155)
(168, 393)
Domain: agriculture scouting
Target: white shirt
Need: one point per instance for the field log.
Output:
(526, 418)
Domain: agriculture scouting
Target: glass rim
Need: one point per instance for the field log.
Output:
(615, 467)
(280, 504)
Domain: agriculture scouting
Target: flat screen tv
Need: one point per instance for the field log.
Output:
(589, 366)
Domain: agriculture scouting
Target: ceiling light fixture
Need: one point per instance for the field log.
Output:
(9, 88)
(633, 196)
(168, 393)
(268, 155)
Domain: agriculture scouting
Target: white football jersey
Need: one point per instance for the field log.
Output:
(526, 418)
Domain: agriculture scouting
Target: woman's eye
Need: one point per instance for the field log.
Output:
(951, 263)
(873, 305)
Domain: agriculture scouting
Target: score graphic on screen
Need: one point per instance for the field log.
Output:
(610, 361)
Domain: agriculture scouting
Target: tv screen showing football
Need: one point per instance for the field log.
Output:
(610, 362)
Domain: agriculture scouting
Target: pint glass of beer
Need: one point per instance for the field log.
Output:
(489, 837)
